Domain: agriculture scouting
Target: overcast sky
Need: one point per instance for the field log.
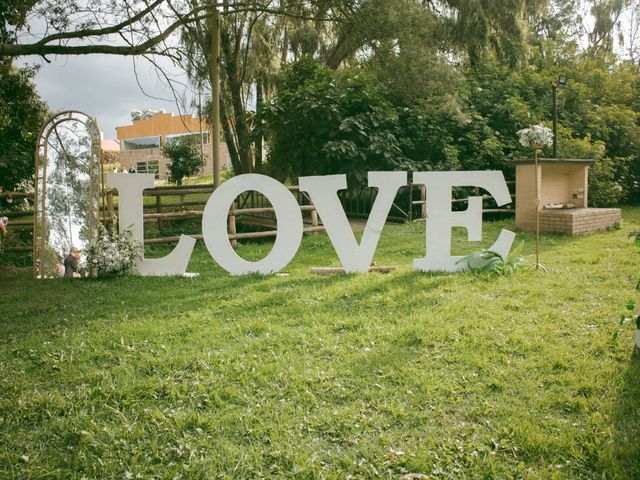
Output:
(103, 86)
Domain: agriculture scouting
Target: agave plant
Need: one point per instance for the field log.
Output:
(490, 261)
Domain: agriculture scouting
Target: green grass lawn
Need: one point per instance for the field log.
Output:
(356, 376)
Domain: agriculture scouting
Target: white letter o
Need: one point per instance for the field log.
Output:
(288, 215)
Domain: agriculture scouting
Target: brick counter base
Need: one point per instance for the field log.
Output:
(579, 221)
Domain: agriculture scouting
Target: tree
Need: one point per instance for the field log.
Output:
(146, 28)
(561, 19)
(13, 15)
(22, 114)
(116, 27)
(598, 110)
(255, 42)
(324, 122)
(631, 30)
(606, 15)
(89, 26)
(185, 159)
(468, 30)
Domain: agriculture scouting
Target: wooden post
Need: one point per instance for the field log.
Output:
(585, 187)
(215, 96)
(159, 210)
(325, 271)
(423, 199)
(314, 220)
(554, 106)
(538, 177)
(110, 205)
(232, 230)
(201, 130)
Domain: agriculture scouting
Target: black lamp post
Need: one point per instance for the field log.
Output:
(561, 82)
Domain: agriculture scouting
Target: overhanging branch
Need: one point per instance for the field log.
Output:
(46, 45)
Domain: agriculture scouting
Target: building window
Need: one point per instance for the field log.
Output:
(150, 166)
(140, 143)
(194, 137)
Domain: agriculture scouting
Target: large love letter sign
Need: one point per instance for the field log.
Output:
(441, 219)
(323, 192)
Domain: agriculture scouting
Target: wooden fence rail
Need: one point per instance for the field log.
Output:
(166, 212)
(251, 204)
(12, 195)
(22, 225)
(423, 200)
(239, 209)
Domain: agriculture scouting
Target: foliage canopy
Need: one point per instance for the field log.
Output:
(22, 114)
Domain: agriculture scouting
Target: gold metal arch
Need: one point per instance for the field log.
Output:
(96, 181)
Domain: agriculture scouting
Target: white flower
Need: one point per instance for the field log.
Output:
(112, 252)
(537, 136)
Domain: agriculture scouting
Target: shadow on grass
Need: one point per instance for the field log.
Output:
(626, 423)
(48, 306)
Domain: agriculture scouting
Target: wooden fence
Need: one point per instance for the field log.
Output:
(188, 202)
(252, 207)
(422, 201)
(19, 220)
(410, 202)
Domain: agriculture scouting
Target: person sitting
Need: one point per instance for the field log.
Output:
(60, 268)
(72, 264)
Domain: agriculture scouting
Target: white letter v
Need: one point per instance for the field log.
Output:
(323, 191)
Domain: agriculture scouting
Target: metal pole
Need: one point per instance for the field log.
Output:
(535, 154)
(215, 96)
(410, 211)
(554, 95)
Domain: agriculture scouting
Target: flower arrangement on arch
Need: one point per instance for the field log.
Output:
(536, 137)
(112, 253)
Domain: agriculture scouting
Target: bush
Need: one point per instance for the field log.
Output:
(22, 114)
(185, 159)
(323, 122)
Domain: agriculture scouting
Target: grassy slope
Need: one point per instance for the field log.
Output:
(459, 376)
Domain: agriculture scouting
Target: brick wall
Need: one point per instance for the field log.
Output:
(579, 221)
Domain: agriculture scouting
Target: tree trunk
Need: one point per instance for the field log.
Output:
(285, 46)
(242, 129)
(259, 102)
(231, 55)
(230, 139)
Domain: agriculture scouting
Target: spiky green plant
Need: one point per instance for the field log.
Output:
(490, 261)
